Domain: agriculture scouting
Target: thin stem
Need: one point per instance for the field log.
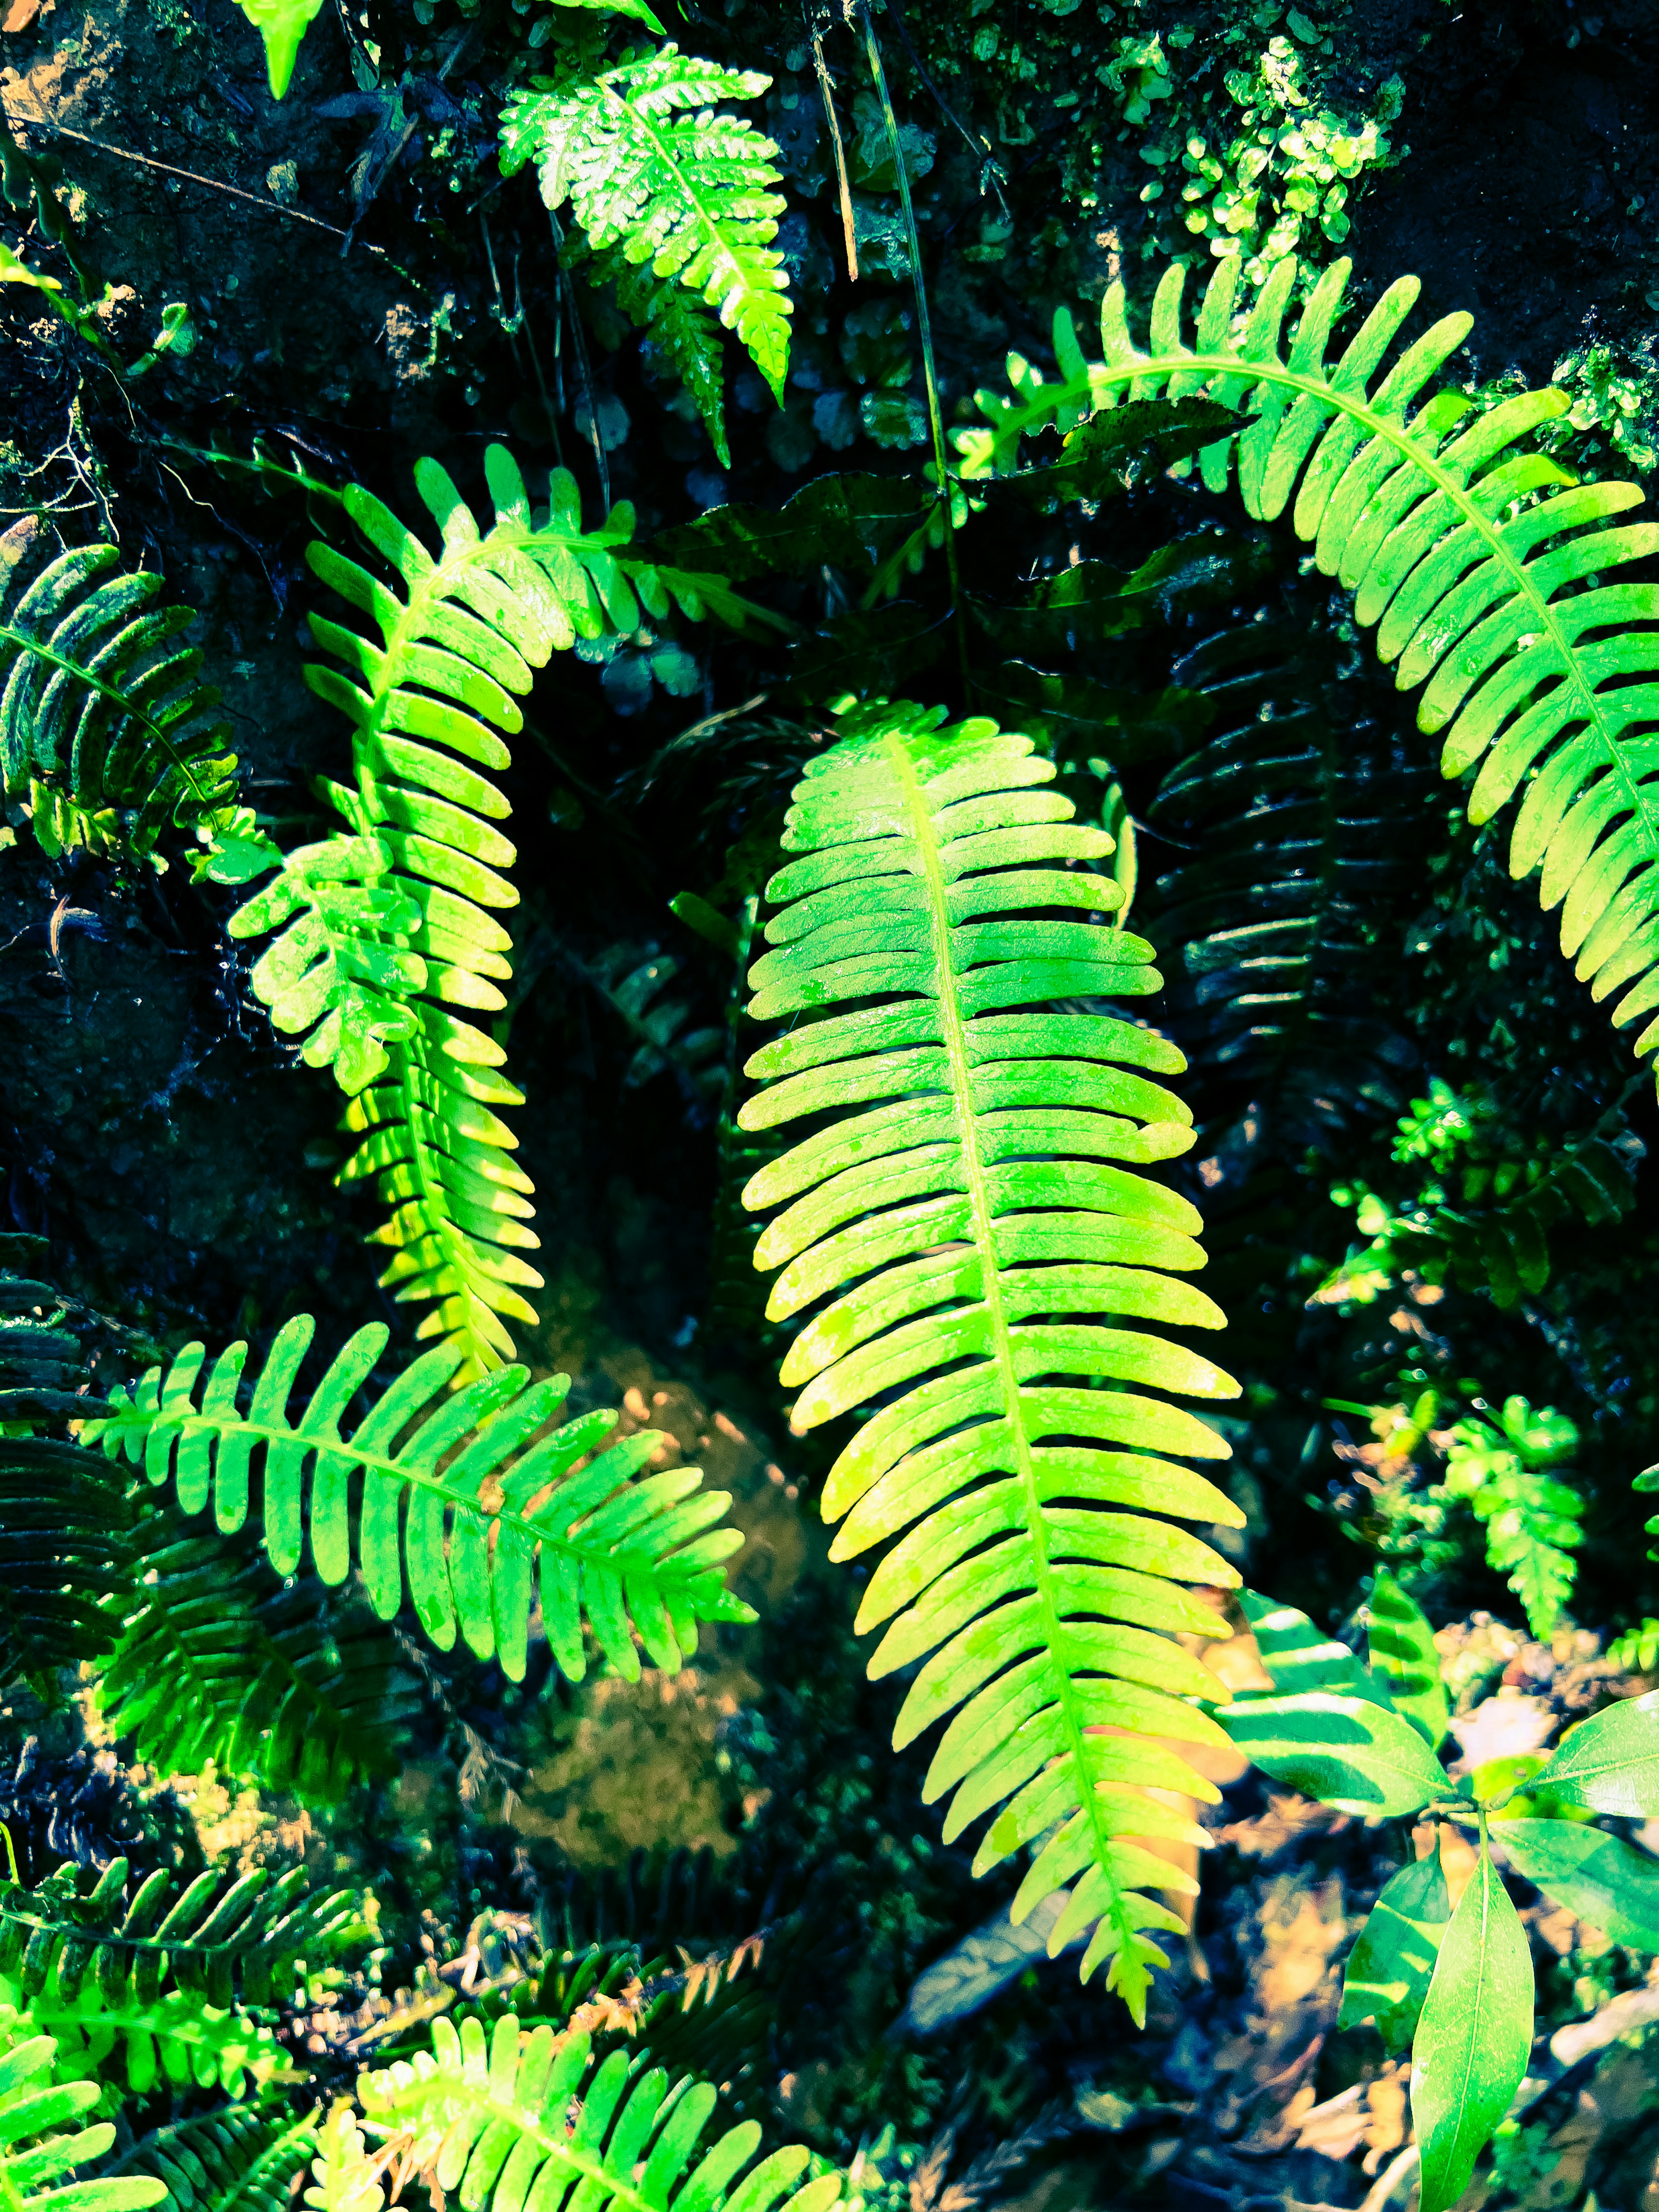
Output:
(925, 333)
(849, 228)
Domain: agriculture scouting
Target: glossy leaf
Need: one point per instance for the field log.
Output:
(1402, 1652)
(1608, 1882)
(1474, 2037)
(1610, 1763)
(973, 1235)
(1345, 1751)
(1390, 1968)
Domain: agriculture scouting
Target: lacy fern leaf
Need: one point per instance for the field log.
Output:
(651, 167)
(1485, 570)
(222, 1660)
(600, 1544)
(972, 1216)
(506, 2117)
(41, 2143)
(387, 929)
(105, 735)
(233, 2158)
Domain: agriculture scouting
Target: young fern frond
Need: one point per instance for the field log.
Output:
(41, 2146)
(385, 930)
(626, 1555)
(220, 1659)
(653, 168)
(1482, 569)
(506, 2118)
(105, 733)
(972, 1217)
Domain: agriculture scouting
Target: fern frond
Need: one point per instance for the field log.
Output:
(105, 733)
(651, 167)
(1483, 569)
(385, 931)
(233, 2158)
(488, 1513)
(506, 2118)
(41, 2146)
(972, 1216)
(220, 1659)
(64, 1546)
(681, 327)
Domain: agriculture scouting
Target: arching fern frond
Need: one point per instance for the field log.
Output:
(473, 1507)
(973, 1217)
(106, 734)
(652, 167)
(386, 931)
(1485, 570)
(506, 2118)
(42, 2146)
(221, 1659)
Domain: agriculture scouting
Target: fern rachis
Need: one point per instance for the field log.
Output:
(984, 1206)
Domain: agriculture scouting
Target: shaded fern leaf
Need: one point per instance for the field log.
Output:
(683, 330)
(386, 931)
(1483, 568)
(654, 169)
(233, 2158)
(105, 732)
(41, 2144)
(478, 1511)
(220, 1659)
(64, 1546)
(972, 1216)
(506, 2117)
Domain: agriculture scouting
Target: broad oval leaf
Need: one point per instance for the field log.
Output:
(1473, 2038)
(1345, 1751)
(1610, 1762)
(1402, 1652)
(1608, 1882)
(1390, 1966)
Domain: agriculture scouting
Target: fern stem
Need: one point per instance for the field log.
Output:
(925, 335)
(849, 229)
(953, 1036)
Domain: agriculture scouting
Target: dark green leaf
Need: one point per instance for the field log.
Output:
(1390, 1965)
(847, 521)
(1473, 2038)
(1098, 461)
(1402, 1652)
(1074, 716)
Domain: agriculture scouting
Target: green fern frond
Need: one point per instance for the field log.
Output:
(233, 2158)
(638, 982)
(1514, 1477)
(506, 2118)
(1483, 569)
(651, 168)
(41, 2146)
(387, 930)
(682, 328)
(64, 1546)
(629, 1556)
(972, 1216)
(105, 733)
(221, 1659)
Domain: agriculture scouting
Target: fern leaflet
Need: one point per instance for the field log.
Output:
(1482, 569)
(41, 2146)
(487, 1511)
(651, 167)
(233, 2158)
(967, 1215)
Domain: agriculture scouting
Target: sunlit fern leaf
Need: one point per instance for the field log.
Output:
(105, 735)
(973, 1217)
(388, 936)
(651, 168)
(1485, 570)
(42, 2145)
(221, 1659)
(346, 2176)
(233, 2158)
(506, 2117)
(474, 1508)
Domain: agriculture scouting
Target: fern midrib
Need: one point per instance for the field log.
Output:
(1105, 374)
(617, 2189)
(382, 1464)
(710, 221)
(953, 1031)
